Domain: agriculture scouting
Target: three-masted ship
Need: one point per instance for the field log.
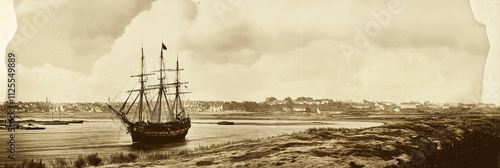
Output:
(160, 118)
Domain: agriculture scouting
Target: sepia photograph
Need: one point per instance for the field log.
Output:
(250, 83)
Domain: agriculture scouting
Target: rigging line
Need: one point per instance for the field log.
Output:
(147, 102)
(132, 105)
(125, 103)
(156, 94)
(112, 119)
(166, 99)
(154, 114)
(119, 134)
(119, 124)
(159, 107)
(123, 87)
(135, 116)
(168, 106)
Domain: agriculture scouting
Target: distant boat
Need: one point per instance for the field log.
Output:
(56, 122)
(225, 123)
(53, 122)
(158, 119)
(76, 121)
(32, 127)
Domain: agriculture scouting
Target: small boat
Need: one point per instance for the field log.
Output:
(53, 122)
(31, 127)
(75, 121)
(52, 109)
(56, 122)
(225, 123)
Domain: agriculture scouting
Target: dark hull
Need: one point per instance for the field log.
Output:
(139, 137)
(55, 123)
(76, 122)
(34, 128)
(159, 133)
(225, 123)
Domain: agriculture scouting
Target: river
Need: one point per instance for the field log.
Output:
(106, 136)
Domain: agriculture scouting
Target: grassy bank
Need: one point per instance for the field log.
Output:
(440, 141)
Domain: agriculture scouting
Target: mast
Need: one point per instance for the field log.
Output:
(156, 116)
(177, 86)
(161, 84)
(141, 92)
(177, 104)
(141, 98)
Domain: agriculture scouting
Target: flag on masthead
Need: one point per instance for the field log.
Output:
(163, 46)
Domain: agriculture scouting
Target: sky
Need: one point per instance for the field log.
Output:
(242, 50)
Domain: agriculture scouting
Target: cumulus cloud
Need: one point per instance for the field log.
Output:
(255, 49)
(70, 34)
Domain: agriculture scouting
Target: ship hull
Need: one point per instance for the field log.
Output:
(140, 137)
(159, 133)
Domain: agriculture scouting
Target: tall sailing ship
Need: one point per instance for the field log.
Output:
(160, 118)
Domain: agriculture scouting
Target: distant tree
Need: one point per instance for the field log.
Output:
(304, 99)
(233, 105)
(227, 106)
(250, 106)
(270, 99)
(288, 100)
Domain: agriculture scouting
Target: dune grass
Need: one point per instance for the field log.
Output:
(28, 163)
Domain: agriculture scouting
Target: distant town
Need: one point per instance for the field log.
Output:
(298, 105)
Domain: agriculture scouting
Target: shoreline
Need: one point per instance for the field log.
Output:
(306, 118)
(231, 115)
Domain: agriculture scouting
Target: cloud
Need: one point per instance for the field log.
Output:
(257, 49)
(317, 70)
(75, 33)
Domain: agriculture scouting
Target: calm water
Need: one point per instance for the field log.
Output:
(108, 136)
